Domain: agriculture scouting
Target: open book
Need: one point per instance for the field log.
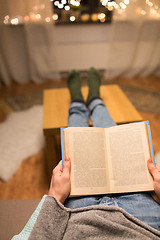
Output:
(108, 160)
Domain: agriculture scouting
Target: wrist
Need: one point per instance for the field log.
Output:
(60, 198)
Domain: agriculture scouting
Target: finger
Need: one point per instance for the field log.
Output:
(158, 167)
(152, 169)
(67, 165)
(151, 166)
(59, 166)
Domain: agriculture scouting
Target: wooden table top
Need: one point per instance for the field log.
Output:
(56, 104)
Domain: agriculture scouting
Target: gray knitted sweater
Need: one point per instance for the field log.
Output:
(95, 222)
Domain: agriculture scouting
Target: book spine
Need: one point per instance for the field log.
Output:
(149, 129)
(62, 152)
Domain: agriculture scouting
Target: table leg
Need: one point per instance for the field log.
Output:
(52, 159)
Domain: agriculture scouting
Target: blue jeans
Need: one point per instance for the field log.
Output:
(140, 205)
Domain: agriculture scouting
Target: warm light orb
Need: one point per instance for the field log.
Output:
(77, 4)
(6, 17)
(60, 5)
(47, 19)
(122, 5)
(143, 12)
(14, 21)
(126, 2)
(72, 18)
(56, 3)
(150, 4)
(110, 8)
(156, 7)
(94, 17)
(111, 4)
(102, 20)
(55, 17)
(101, 16)
(116, 6)
(38, 16)
(67, 7)
(85, 17)
(26, 18)
(5, 21)
(104, 2)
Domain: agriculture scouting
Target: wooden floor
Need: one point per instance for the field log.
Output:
(31, 180)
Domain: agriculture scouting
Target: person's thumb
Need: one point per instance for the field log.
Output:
(152, 168)
(67, 165)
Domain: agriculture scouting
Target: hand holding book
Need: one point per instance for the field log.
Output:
(60, 185)
(109, 160)
(155, 172)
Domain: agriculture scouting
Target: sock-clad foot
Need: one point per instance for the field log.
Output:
(94, 81)
(74, 85)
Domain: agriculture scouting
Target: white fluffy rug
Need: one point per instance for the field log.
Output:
(21, 136)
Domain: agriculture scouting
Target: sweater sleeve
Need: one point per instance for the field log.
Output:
(51, 222)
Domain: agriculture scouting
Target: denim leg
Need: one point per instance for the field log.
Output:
(78, 115)
(100, 115)
(141, 206)
(79, 202)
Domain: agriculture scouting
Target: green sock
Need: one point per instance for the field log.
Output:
(74, 85)
(94, 81)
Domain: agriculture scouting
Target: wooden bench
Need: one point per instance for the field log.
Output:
(55, 115)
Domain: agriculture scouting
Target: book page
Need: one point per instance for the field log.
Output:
(128, 152)
(86, 148)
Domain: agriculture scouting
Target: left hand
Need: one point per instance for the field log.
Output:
(60, 185)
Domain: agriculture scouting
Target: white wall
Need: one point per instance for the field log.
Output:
(82, 46)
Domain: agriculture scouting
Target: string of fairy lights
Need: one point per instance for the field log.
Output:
(71, 7)
(154, 9)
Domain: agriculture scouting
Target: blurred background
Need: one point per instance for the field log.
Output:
(42, 40)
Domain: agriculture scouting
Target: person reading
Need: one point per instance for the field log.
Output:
(122, 216)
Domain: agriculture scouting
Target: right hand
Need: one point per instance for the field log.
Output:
(155, 172)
